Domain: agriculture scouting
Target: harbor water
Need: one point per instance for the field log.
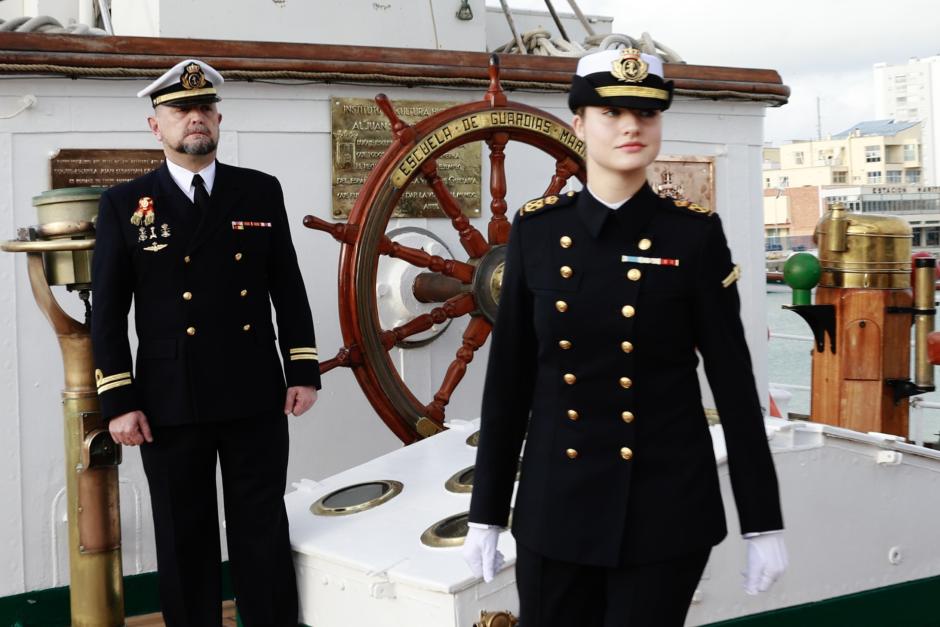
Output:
(790, 364)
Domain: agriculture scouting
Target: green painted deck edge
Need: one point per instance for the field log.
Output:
(50, 607)
(908, 604)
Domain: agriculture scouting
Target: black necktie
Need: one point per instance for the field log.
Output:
(200, 199)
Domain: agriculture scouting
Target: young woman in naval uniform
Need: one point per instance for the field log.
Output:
(608, 296)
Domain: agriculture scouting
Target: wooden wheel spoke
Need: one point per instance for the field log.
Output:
(470, 238)
(417, 257)
(346, 357)
(473, 338)
(343, 233)
(454, 308)
(402, 131)
(564, 169)
(495, 94)
(499, 226)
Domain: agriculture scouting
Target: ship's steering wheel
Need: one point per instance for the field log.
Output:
(459, 288)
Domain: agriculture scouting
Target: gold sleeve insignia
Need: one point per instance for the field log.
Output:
(113, 381)
(733, 276)
(304, 353)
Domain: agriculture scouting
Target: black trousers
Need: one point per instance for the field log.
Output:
(561, 594)
(180, 465)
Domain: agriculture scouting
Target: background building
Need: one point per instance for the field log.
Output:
(875, 152)
(911, 92)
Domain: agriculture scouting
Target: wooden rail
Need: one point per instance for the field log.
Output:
(82, 55)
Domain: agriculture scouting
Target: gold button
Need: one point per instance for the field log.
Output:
(191, 331)
(634, 274)
(644, 244)
(627, 416)
(571, 453)
(573, 415)
(565, 241)
(243, 293)
(628, 311)
(247, 327)
(186, 259)
(561, 306)
(238, 256)
(564, 345)
(570, 378)
(626, 453)
(565, 272)
(626, 347)
(187, 295)
(626, 383)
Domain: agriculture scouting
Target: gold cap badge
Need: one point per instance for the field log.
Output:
(193, 77)
(630, 67)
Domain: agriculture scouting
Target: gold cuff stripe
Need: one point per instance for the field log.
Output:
(626, 90)
(113, 377)
(304, 349)
(299, 357)
(104, 388)
(179, 95)
(733, 276)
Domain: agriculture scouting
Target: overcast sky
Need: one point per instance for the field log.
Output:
(821, 48)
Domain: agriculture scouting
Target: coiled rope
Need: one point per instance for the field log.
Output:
(46, 24)
(542, 42)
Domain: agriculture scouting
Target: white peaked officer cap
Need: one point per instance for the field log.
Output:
(187, 83)
(620, 78)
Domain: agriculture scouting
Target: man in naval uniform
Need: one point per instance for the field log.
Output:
(608, 295)
(203, 249)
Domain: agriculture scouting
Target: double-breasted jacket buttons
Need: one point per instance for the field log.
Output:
(565, 241)
(571, 453)
(570, 378)
(187, 295)
(247, 327)
(644, 244)
(626, 346)
(238, 256)
(565, 272)
(634, 274)
(628, 311)
(243, 293)
(627, 416)
(191, 331)
(626, 383)
(626, 453)
(561, 306)
(564, 345)
(573, 415)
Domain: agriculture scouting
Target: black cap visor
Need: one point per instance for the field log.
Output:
(652, 93)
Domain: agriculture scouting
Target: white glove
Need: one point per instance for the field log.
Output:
(766, 561)
(479, 551)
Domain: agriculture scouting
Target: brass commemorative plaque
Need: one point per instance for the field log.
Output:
(89, 167)
(360, 135)
(684, 177)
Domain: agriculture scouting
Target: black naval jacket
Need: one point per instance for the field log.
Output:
(600, 316)
(202, 301)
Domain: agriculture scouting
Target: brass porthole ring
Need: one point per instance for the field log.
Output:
(461, 481)
(357, 498)
(448, 532)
